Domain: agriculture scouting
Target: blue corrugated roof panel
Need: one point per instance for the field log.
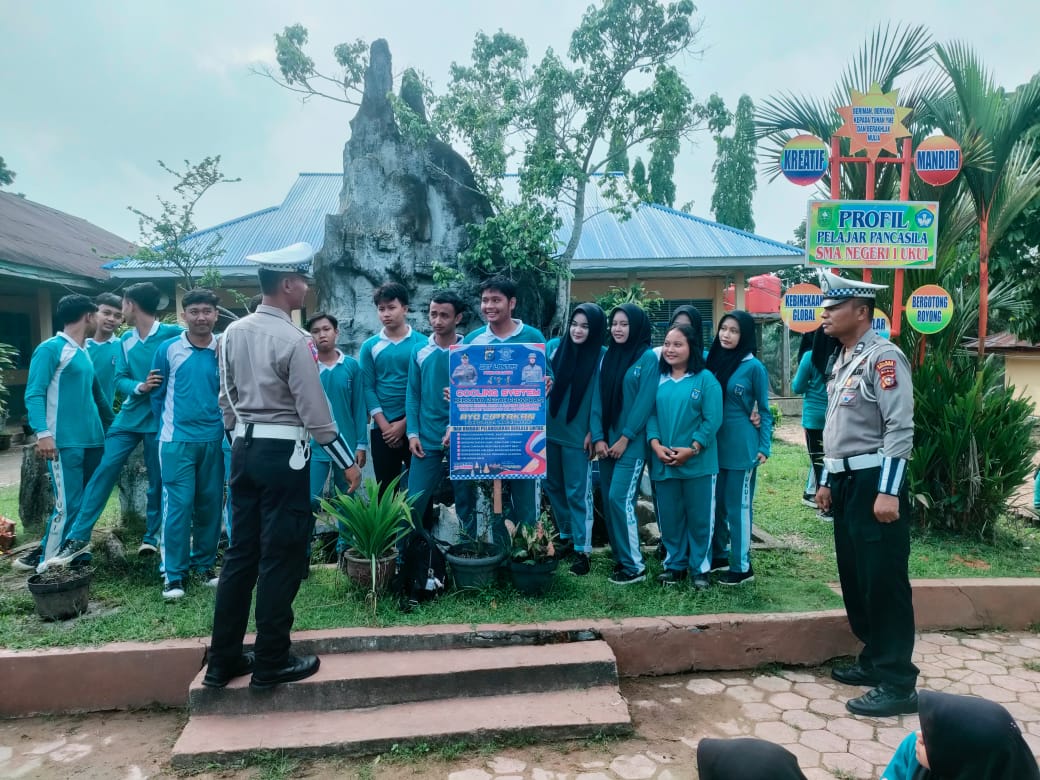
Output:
(652, 234)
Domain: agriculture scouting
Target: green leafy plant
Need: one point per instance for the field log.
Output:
(7, 358)
(532, 544)
(972, 445)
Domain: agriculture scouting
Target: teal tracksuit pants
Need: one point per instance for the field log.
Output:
(192, 498)
(568, 483)
(619, 481)
(686, 518)
(424, 479)
(734, 495)
(70, 474)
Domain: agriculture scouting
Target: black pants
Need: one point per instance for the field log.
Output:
(814, 444)
(872, 567)
(388, 462)
(271, 518)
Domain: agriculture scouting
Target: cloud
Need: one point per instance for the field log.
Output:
(226, 62)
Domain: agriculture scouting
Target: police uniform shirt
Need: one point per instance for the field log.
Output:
(268, 377)
(870, 408)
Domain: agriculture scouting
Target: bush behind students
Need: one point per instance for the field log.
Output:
(621, 406)
(681, 431)
(575, 361)
(742, 446)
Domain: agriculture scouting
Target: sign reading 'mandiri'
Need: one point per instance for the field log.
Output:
(872, 233)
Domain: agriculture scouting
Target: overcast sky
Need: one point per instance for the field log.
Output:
(95, 92)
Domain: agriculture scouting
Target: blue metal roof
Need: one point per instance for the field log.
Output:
(653, 237)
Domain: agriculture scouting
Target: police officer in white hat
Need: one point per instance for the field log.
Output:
(273, 402)
(867, 440)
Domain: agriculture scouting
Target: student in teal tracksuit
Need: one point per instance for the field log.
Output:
(809, 383)
(384, 360)
(341, 378)
(568, 480)
(427, 413)
(104, 347)
(742, 447)
(621, 406)
(134, 424)
(497, 303)
(68, 411)
(191, 434)
(681, 432)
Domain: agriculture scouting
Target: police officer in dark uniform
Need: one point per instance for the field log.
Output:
(867, 441)
(273, 402)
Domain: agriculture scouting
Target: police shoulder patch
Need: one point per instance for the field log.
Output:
(886, 370)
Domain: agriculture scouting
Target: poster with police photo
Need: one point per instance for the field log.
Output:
(497, 411)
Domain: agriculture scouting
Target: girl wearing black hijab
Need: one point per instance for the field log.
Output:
(575, 362)
(621, 406)
(962, 738)
(742, 446)
(745, 759)
(809, 383)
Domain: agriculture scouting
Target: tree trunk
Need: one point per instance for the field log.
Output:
(983, 282)
(35, 494)
(133, 493)
(563, 281)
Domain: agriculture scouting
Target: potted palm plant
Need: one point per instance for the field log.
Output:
(532, 556)
(370, 526)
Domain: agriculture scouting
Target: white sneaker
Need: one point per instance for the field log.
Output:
(146, 549)
(173, 590)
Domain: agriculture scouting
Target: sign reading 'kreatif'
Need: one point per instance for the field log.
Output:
(871, 234)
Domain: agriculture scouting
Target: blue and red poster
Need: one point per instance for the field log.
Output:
(497, 411)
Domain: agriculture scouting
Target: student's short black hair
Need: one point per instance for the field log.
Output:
(390, 291)
(109, 299)
(145, 295)
(320, 315)
(449, 297)
(269, 280)
(255, 301)
(72, 307)
(502, 284)
(200, 295)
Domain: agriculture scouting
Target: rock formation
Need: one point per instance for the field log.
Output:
(403, 207)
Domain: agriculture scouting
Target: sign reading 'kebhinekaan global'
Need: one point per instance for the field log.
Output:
(872, 234)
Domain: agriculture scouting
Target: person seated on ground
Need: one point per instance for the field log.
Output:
(745, 759)
(962, 738)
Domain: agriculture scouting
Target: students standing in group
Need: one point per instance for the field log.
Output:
(104, 347)
(384, 363)
(341, 378)
(742, 446)
(809, 382)
(134, 424)
(681, 432)
(575, 363)
(428, 413)
(191, 432)
(497, 303)
(68, 411)
(621, 406)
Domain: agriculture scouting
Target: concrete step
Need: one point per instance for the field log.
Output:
(570, 714)
(358, 680)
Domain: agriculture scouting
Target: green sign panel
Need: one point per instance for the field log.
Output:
(871, 233)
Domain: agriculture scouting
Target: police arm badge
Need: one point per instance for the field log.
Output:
(886, 370)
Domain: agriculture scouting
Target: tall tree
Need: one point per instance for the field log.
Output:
(165, 237)
(1006, 178)
(734, 170)
(6, 174)
(639, 183)
(617, 156)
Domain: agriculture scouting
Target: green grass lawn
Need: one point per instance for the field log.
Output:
(126, 602)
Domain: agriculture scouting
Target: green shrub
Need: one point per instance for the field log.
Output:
(972, 445)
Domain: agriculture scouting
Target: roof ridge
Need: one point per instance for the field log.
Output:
(729, 228)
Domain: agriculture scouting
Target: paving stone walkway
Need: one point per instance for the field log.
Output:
(802, 709)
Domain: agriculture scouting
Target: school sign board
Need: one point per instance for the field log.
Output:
(497, 411)
(872, 234)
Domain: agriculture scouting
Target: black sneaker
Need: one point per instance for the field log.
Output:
(660, 553)
(624, 578)
(564, 549)
(581, 565)
(671, 577)
(209, 578)
(855, 675)
(29, 561)
(173, 590)
(827, 517)
(883, 702)
(69, 551)
(809, 501)
(719, 564)
(147, 549)
(737, 577)
(701, 582)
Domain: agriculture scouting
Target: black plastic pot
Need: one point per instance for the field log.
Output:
(472, 567)
(64, 599)
(532, 579)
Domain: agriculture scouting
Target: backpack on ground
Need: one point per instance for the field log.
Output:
(423, 569)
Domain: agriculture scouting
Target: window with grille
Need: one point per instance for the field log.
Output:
(661, 312)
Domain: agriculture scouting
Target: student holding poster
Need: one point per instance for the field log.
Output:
(497, 302)
(621, 406)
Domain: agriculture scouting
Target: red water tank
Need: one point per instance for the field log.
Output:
(761, 296)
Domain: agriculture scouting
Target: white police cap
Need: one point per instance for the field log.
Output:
(837, 290)
(293, 259)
